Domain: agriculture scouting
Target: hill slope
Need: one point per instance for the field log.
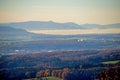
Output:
(9, 33)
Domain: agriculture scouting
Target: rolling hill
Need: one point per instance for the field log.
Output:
(10, 33)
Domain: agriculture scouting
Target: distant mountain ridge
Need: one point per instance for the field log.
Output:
(50, 25)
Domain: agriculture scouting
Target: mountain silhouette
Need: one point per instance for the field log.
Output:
(50, 25)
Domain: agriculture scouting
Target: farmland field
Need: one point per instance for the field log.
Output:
(111, 62)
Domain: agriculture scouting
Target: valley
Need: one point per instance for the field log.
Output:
(30, 56)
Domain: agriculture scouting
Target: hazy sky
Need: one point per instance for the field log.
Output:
(79, 11)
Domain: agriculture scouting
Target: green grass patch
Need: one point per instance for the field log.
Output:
(32, 79)
(52, 78)
(111, 62)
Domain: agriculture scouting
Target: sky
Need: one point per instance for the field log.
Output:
(78, 11)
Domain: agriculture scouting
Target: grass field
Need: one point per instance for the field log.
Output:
(52, 78)
(111, 62)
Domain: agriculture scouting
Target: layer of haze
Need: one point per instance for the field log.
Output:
(70, 32)
(78, 11)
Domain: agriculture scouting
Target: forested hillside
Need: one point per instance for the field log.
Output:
(67, 65)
